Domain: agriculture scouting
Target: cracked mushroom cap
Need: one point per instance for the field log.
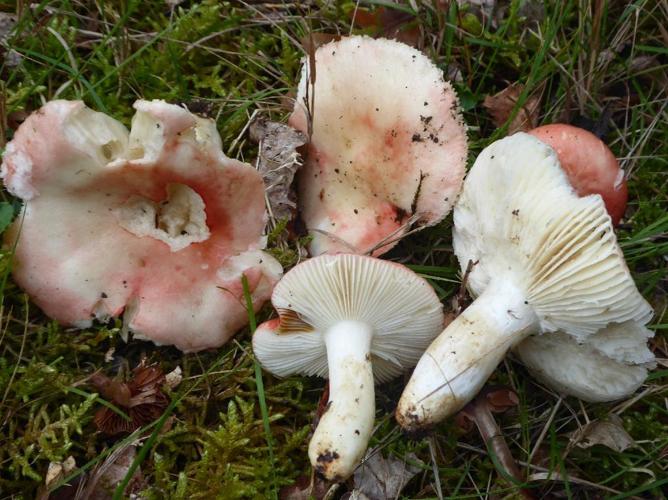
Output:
(608, 365)
(157, 225)
(388, 145)
(589, 165)
(401, 307)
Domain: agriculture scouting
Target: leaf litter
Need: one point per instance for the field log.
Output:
(278, 161)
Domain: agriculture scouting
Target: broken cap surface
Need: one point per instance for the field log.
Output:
(589, 165)
(156, 224)
(388, 144)
(353, 319)
(544, 260)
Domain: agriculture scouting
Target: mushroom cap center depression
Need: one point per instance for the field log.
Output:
(179, 220)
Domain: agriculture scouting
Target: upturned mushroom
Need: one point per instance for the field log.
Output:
(387, 144)
(609, 365)
(544, 260)
(589, 164)
(157, 225)
(355, 320)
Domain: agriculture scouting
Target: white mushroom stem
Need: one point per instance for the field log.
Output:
(461, 359)
(341, 438)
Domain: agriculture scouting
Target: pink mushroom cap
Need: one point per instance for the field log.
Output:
(158, 224)
(388, 145)
(589, 164)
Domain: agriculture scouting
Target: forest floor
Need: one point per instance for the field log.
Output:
(230, 431)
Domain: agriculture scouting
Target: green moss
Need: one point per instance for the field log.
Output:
(240, 58)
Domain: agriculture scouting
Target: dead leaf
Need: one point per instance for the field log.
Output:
(58, 470)
(113, 390)
(315, 39)
(381, 478)
(304, 488)
(500, 107)
(389, 23)
(141, 398)
(355, 495)
(609, 432)
(7, 23)
(174, 378)
(103, 480)
(278, 161)
(502, 399)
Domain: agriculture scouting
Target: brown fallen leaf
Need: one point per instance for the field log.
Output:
(389, 23)
(141, 398)
(501, 104)
(315, 39)
(380, 478)
(278, 161)
(609, 432)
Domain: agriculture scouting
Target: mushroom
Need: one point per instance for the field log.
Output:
(589, 165)
(544, 260)
(387, 144)
(355, 320)
(609, 365)
(157, 225)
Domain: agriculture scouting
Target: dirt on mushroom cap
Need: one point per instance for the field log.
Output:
(388, 145)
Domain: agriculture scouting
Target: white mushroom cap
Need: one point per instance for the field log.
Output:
(314, 296)
(156, 225)
(388, 142)
(608, 365)
(350, 318)
(545, 260)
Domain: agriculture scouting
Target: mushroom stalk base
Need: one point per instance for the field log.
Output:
(464, 355)
(341, 438)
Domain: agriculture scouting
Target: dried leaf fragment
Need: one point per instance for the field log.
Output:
(315, 39)
(141, 398)
(304, 488)
(609, 432)
(174, 378)
(388, 22)
(58, 470)
(104, 479)
(278, 161)
(7, 23)
(380, 478)
(501, 105)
